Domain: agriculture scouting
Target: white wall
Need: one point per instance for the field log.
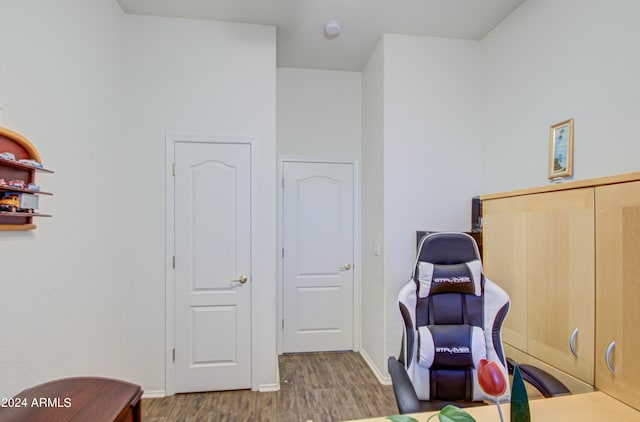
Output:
(552, 60)
(373, 289)
(318, 114)
(431, 150)
(204, 78)
(62, 301)
(421, 147)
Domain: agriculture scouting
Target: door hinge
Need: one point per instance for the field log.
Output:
(283, 253)
(174, 261)
(174, 355)
(173, 168)
(283, 323)
(283, 183)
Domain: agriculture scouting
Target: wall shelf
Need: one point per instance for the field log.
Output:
(21, 148)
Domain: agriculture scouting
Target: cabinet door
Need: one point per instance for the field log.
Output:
(560, 280)
(504, 261)
(618, 290)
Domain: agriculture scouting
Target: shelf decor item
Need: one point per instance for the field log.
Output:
(561, 149)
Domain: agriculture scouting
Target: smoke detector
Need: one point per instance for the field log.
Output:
(332, 29)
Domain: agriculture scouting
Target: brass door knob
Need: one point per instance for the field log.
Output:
(242, 279)
(345, 267)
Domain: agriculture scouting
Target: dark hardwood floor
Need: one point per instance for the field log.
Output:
(322, 387)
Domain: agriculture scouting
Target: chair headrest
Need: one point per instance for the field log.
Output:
(455, 278)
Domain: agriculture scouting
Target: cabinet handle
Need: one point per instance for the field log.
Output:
(572, 342)
(607, 357)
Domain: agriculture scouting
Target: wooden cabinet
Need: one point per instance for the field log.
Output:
(539, 248)
(560, 280)
(505, 260)
(13, 170)
(569, 256)
(618, 291)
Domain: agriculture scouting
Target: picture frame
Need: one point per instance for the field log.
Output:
(561, 149)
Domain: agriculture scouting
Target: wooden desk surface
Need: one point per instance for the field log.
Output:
(81, 399)
(586, 407)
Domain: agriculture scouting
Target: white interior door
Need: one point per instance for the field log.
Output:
(213, 266)
(318, 241)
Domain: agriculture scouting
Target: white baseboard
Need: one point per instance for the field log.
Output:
(383, 379)
(268, 388)
(156, 394)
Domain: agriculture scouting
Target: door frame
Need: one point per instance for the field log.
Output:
(356, 245)
(170, 142)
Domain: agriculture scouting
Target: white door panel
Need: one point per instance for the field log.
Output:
(318, 240)
(206, 349)
(319, 308)
(212, 247)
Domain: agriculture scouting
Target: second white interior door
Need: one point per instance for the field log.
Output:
(318, 240)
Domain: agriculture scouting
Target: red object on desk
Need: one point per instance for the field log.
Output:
(491, 378)
(75, 399)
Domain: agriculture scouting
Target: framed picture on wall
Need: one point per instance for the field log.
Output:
(561, 149)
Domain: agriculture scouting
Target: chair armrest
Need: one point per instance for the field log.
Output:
(406, 397)
(543, 381)
(546, 383)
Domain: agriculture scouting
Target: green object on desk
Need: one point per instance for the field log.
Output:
(519, 399)
(401, 418)
(449, 413)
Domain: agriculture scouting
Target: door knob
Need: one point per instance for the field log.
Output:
(345, 267)
(242, 279)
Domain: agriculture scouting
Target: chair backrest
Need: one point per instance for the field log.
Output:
(452, 318)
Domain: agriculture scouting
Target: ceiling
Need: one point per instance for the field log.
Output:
(300, 39)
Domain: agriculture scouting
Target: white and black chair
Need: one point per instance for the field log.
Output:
(452, 317)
